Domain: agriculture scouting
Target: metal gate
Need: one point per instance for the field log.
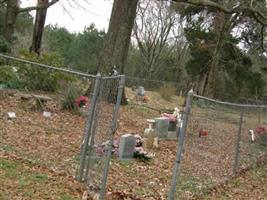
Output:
(101, 125)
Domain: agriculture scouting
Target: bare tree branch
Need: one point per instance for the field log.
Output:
(27, 9)
(241, 9)
(153, 26)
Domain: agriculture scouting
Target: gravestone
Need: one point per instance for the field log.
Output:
(127, 146)
(141, 91)
(11, 115)
(162, 126)
(47, 114)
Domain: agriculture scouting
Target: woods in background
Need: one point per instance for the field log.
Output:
(219, 48)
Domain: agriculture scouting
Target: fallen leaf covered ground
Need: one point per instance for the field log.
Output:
(47, 148)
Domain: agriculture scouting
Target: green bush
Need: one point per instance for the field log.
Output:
(4, 45)
(167, 91)
(70, 95)
(38, 78)
(9, 78)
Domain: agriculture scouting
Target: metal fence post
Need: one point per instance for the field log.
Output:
(88, 128)
(180, 147)
(237, 149)
(113, 130)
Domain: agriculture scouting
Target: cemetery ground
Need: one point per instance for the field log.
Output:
(37, 155)
(21, 179)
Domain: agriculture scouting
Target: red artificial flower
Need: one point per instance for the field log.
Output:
(82, 101)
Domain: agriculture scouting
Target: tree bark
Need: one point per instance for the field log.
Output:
(10, 20)
(38, 28)
(221, 29)
(202, 81)
(118, 38)
(12, 11)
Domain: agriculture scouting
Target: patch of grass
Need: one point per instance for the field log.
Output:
(39, 177)
(23, 180)
(10, 168)
(7, 165)
(8, 148)
(66, 197)
(22, 183)
(29, 193)
(167, 91)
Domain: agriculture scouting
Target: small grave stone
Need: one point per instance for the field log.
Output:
(151, 127)
(162, 126)
(127, 146)
(141, 91)
(47, 114)
(11, 115)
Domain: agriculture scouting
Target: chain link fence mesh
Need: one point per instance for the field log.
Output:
(50, 120)
(252, 152)
(153, 94)
(51, 107)
(102, 135)
(49, 124)
(218, 145)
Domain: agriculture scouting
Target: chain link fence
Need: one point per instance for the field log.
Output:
(217, 144)
(95, 156)
(154, 94)
(65, 121)
(60, 119)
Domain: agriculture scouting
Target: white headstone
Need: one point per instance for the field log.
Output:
(127, 146)
(47, 114)
(11, 115)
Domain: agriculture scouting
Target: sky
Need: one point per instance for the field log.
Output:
(75, 16)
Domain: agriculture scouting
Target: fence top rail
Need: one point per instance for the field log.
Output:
(230, 104)
(57, 68)
(149, 80)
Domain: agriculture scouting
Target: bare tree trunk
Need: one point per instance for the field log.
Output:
(202, 81)
(39, 27)
(221, 29)
(118, 38)
(10, 20)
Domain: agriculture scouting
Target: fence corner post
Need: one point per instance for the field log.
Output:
(180, 148)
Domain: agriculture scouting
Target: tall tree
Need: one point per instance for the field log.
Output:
(12, 10)
(117, 40)
(10, 19)
(227, 17)
(39, 26)
(153, 25)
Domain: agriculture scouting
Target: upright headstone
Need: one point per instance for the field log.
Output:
(126, 147)
(162, 126)
(141, 91)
